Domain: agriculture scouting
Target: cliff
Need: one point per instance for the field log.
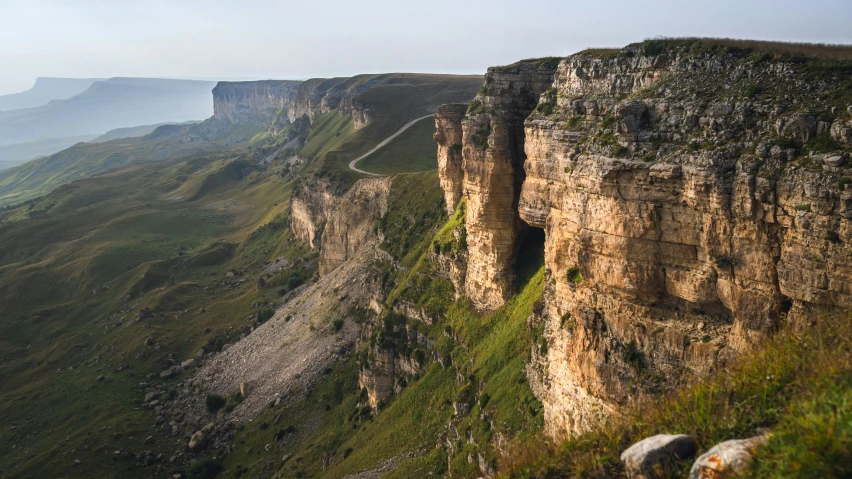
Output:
(287, 101)
(692, 200)
(238, 101)
(339, 226)
(492, 174)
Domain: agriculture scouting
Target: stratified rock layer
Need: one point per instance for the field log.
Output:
(338, 226)
(237, 101)
(493, 158)
(688, 209)
(448, 135)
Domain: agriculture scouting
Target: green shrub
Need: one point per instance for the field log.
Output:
(206, 468)
(823, 143)
(214, 402)
(573, 275)
(265, 314)
(338, 324)
(294, 280)
(753, 90)
(632, 355)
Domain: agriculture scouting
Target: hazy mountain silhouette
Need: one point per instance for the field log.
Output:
(44, 91)
(107, 105)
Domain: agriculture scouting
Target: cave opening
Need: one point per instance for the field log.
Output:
(529, 257)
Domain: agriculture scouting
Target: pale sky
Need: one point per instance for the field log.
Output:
(301, 39)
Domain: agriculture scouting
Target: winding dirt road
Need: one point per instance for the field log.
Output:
(383, 143)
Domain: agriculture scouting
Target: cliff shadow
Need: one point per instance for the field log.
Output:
(529, 258)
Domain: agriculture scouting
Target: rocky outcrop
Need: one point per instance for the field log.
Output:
(448, 135)
(384, 371)
(378, 378)
(350, 222)
(682, 225)
(238, 101)
(308, 212)
(493, 158)
(338, 226)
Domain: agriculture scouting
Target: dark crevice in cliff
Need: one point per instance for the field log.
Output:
(529, 258)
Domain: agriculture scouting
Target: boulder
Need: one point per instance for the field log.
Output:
(726, 458)
(641, 459)
(196, 440)
(166, 374)
(188, 364)
(835, 160)
(244, 389)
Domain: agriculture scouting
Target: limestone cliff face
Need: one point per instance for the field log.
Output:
(493, 157)
(385, 368)
(237, 101)
(448, 135)
(350, 222)
(685, 218)
(287, 101)
(309, 211)
(338, 226)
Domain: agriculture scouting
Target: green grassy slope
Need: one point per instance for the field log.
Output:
(330, 434)
(798, 386)
(38, 177)
(412, 151)
(77, 269)
(395, 100)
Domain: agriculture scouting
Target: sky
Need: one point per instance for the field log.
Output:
(258, 39)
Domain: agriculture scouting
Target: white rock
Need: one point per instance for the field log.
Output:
(196, 440)
(639, 459)
(726, 458)
(835, 160)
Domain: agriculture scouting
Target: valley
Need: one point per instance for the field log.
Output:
(573, 255)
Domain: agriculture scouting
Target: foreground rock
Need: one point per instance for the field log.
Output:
(726, 459)
(645, 458)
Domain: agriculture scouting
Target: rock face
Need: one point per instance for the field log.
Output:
(493, 158)
(338, 226)
(681, 224)
(350, 222)
(287, 101)
(237, 101)
(448, 135)
(378, 380)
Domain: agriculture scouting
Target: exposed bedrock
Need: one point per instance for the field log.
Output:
(338, 226)
(684, 218)
(237, 101)
(448, 135)
(493, 158)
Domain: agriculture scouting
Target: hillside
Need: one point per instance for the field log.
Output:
(44, 91)
(605, 250)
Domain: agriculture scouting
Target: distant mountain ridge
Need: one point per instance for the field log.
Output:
(45, 90)
(107, 105)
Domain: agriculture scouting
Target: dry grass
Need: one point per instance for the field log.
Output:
(781, 50)
(769, 388)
